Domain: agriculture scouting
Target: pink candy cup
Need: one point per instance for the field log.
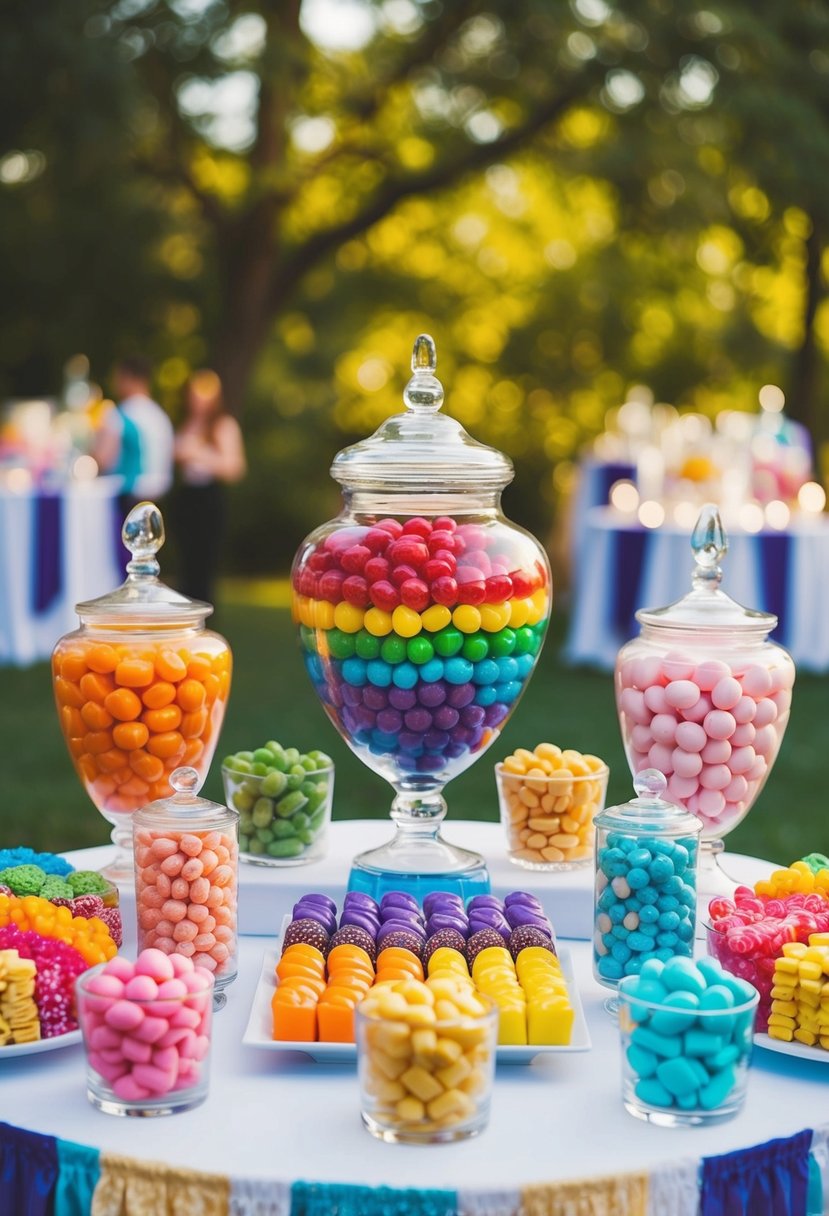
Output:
(709, 673)
(152, 1029)
(154, 1080)
(726, 693)
(124, 1015)
(655, 699)
(783, 701)
(641, 739)
(686, 764)
(711, 802)
(715, 777)
(181, 966)
(719, 724)
(663, 728)
(757, 682)
(136, 1051)
(682, 694)
(691, 737)
(106, 985)
(110, 1072)
(716, 751)
(141, 988)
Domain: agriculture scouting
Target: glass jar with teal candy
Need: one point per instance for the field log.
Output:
(421, 611)
(645, 895)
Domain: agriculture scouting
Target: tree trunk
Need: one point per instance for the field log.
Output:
(801, 400)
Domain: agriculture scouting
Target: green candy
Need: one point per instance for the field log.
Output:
(281, 829)
(246, 824)
(502, 643)
(262, 813)
(242, 801)
(393, 649)
(244, 842)
(56, 888)
(292, 802)
(274, 784)
(419, 650)
(367, 645)
(341, 644)
(308, 638)
(448, 641)
(24, 880)
(286, 848)
(260, 769)
(317, 819)
(87, 882)
(256, 846)
(299, 821)
(292, 756)
(322, 759)
(475, 648)
(524, 639)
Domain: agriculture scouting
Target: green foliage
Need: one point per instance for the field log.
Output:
(571, 198)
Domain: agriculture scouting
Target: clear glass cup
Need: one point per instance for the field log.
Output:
(416, 1092)
(137, 1066)
(549, 820)
(280, 825)
(755, 965)
(707, 1073)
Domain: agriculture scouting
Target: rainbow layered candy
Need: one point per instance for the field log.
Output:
(421, 636)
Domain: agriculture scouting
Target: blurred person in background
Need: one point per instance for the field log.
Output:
(135, 441)
(209, 454)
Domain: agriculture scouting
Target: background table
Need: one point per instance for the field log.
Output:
(283, 1116)
(621, 567)
(56, 548)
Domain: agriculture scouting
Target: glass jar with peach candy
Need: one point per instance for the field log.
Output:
(703, 696)
(141, 687)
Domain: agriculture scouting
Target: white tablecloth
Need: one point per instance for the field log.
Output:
(284, 1117)
(88, 565)
(664, 575)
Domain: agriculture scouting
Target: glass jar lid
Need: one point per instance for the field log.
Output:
(649, 811)
(706, 608)
(142, 597)
(184, 803)
(422, 449)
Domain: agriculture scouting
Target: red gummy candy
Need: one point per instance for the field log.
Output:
(440, 539)
(445, 523)
(392, 526)
(400, 574)
(437, 568)
(498, 588)
(330, 586)
(320, 561)
(384, 595)
(522, 584)
(417, 526)
(376, 568)
(377, 540)
(355, 591)
(443, 555)
(354, 558)
(445, 591)
(471, 592)
(409, 551)
(415, 594)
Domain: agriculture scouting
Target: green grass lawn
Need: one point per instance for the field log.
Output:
(43, 804)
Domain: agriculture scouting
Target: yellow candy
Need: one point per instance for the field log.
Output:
(435, 618)
(446, 959)
(406, 622)
(494, 616)
(466, 618)
(519, 613)
(348, 617)
(377, 622)
(322, 613)
(549, 1020)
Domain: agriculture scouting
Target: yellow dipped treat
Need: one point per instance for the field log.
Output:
(800, 995)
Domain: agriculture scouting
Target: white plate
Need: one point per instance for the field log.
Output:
(818, 1055)
(39, 1045)
(259, 1030)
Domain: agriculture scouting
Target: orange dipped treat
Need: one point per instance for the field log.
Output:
(350, 976)
(141, 687)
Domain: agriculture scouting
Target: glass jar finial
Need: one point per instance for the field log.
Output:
(650, 785)
(424, 392)
(185, 781)
(143, 535)
(709, 544)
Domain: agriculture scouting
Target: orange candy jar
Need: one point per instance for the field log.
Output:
(141, 688)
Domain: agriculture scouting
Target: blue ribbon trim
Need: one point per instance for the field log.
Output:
(337, 1199)
(628, 559)
(775, 555)
(769, 1179)
(47, 569)
(28, 1172)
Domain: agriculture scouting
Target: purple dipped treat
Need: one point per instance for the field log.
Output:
(316, 912)
(364, 920)
(448, 920)
(485, 901)
(519, 915)
(448, 939)
(482, 940)
(399, 899)
(404, 940)
(353, 935)
(406, 914)
(306, 932)
(521, 897)
(441, 901)
(359, 899)
(397, 926)
(325, 901)
(497, 922)
(528, 935)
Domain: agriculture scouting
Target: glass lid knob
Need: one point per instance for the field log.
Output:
(424, 392)
(143, 535)
(650, 785)
(709, 544)
(185, 781)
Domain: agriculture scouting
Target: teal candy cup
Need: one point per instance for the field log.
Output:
(686, 1035)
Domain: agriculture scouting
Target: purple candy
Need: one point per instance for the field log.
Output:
(485, 901)
(435, 740)
(521, 897)
(398, 926)
(461, 735)
(402, 698)
(353, 935)
(521, 915)
(429, 764)
(402, 914)
(477, 736)
(487, 915)
(418, 720)
(447, 938)
(454, 751)
(364, 920)
(399, 899)
(408, 741)
(447, 920)
(314, 912)
(432, 695)
(472, 716)
(496, 713)
(441, 900)
(358, 899)
(351, 696)
(446, 718)
(528, 935)
(389, 721)
(478, 920)
(460, 695)
(405, 941)
(375, 698)
(315, 897)
(365, 719)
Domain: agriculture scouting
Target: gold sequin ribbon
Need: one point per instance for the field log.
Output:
(146, 1188)
(626, 1195)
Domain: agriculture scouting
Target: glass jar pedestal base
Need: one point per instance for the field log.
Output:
(417, 859)
(120, 867)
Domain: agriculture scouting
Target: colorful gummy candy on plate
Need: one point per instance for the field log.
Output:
(284, 798)
(548, 799)
(19, 1017)
(800, 996)
(50, 863)
(84, 892)
(420, 635)
(330, 961)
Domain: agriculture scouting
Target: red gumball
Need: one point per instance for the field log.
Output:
(376, 568)
(392, 526)
(418, 526)
(354, 558)
(384, 595)
(415, 594)
(401, 574)
(308, 583)
(441, 540)
(472, 593)
(330, 586)
(445, 523)
(409, 551)
(319, 562)
(522, 584)
(377, 540)
(498, 588)
(437, 568)
(445, 591)
(355, 591)
(443, 555)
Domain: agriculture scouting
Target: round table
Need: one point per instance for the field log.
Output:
(285, 1117)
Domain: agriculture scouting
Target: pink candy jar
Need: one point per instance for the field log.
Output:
(187, 877)
(703, 696)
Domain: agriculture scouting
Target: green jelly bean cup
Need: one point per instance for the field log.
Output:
(284, 800)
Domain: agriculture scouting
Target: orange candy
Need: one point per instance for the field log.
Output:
(123, 704)
(160, 720)
(170, 666)
(130, 735)
(159, 695)
(134, 673)
(91, 938)
(190, 695)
